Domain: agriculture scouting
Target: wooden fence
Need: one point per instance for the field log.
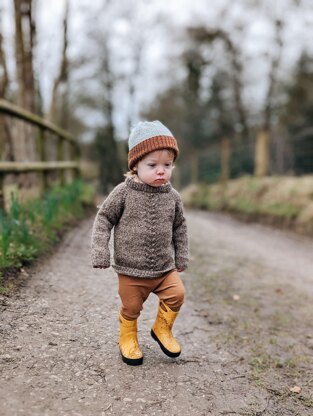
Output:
(42, 166)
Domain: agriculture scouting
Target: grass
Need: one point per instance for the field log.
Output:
(285, 201)
(29, 230)
(3, 290)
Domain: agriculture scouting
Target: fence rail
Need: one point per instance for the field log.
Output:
(15, 111)
(42, 166)
(35, 166)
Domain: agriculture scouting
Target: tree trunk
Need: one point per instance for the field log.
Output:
(58, 110)
(4, 80)
(225, 156)
(203, 34)
(24, 134)
(263, 137)
(262, 152)
(24, 143)
(6, 146)
(138, 53)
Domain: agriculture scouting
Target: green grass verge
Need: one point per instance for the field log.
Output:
(29, 230)
(286, 201)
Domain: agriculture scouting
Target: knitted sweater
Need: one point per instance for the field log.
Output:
(150, 234)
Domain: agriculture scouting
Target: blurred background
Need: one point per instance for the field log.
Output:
(232, 80)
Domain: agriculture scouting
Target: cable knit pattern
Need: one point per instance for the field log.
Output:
(150, 233)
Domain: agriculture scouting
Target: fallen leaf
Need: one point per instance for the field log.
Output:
(295, 389)
(279, 291)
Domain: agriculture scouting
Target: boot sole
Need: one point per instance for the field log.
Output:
(132, 361)
(165, 350)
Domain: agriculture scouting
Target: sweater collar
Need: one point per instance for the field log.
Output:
(139, 186)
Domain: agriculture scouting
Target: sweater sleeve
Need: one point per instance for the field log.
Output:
(106, 218)
(180, 237)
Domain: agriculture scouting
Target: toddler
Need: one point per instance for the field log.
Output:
(150, 239)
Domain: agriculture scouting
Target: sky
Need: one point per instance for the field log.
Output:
(158, 25)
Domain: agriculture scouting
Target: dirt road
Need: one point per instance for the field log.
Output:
(246, 332)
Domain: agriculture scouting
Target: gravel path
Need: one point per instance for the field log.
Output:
(246, 332)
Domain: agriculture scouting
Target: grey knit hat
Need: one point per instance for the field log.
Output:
(148, 136)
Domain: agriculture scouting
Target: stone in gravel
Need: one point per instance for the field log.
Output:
(6, 357)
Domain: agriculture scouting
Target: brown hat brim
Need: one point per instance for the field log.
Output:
(150, 145)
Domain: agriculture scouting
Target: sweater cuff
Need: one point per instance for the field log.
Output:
(181, 263)
(99, 259)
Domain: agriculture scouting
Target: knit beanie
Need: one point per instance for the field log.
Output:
(148, 136)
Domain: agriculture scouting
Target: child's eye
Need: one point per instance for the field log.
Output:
(151, 165)
(168, 165)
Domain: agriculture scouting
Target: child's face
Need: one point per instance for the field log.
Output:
(155, 169)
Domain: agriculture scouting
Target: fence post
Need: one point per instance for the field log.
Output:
(42, 157)
(1, 156)
(75, 155)
(262, 153)
(43, 165)
(60, 157)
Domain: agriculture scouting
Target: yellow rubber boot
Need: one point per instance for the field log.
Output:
(129, 346)
(162, 331)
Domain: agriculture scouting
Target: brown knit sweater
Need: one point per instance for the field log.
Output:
(150, 234)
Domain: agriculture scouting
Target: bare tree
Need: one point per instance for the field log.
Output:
(138, 52)
(263, 136)
(207, 35)
(25, 30)
(203, 35)
(6, 150)
(61, 79)
(4, 78)
(23, 134)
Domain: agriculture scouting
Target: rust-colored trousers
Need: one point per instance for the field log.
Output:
(134, 291)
